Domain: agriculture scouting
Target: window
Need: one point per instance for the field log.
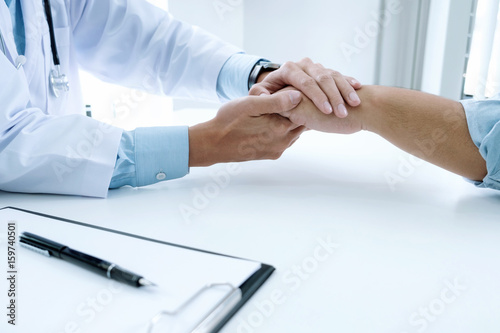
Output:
(482, 78)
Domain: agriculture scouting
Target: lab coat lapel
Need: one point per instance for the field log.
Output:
(35, 27)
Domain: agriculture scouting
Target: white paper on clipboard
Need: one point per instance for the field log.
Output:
(55, 296)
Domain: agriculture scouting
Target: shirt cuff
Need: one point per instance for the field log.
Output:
(483, 121)
(233, 77)
(151, 154)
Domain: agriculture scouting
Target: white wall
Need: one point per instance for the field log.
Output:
(222, 18)
(293, 29)
(434, 53)
(339, 34)
(332, 33)
(402, 43)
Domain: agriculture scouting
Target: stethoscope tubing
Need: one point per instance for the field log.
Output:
(53, 45)
(58, 82)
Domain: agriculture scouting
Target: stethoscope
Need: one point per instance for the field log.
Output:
(58, 82)
(20, 60)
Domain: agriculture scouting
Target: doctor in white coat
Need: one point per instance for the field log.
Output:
(48, 145)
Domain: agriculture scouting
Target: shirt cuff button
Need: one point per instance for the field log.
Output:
(161, 176)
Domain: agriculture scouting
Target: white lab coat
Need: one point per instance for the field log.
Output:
(47, 145)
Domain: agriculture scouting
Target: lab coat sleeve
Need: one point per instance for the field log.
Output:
(133, 43)
(233, 78)
(483, 119)
(39, 153)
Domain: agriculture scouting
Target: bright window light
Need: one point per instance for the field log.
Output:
(482, 78)
(123, 107)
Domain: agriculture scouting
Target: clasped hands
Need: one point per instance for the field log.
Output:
(284, 103)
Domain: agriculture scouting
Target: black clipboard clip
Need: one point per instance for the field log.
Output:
(209, 320)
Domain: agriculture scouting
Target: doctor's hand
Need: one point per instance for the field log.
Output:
(328, 89)
(249, 128)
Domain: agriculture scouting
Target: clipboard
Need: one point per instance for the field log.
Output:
(205, 308)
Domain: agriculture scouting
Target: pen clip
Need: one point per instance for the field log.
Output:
(36, 249)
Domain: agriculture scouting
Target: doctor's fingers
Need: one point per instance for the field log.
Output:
(281, 126)
(295, 134)
(338, 88)
(353, 82)
(279, 144)
(294, 74)
(277, 103)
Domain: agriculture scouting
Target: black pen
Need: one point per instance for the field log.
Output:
(111, 271)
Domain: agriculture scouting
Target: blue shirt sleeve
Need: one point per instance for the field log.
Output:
(153, 154)
(483, 120)
(150, 155)
(233, 77)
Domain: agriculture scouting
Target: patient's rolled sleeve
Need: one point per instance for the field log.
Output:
(483, 119)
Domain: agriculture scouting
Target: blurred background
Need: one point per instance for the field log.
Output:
(445, 47)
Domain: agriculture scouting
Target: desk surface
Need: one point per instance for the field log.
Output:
(352, 254)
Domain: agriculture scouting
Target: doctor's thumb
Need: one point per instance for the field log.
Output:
(279, 102)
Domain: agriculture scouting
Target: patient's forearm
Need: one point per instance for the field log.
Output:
(427, 126)
(430, 127)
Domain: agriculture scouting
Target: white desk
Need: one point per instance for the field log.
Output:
(397, 249)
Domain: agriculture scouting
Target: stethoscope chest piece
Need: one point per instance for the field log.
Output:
(58, 82)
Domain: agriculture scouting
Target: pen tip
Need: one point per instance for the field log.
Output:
(144, 283)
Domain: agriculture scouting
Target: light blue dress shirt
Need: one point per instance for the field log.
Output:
(16, 14)
(150, 155)
(483, 119)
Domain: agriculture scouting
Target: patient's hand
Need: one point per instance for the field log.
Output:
(306, 114)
